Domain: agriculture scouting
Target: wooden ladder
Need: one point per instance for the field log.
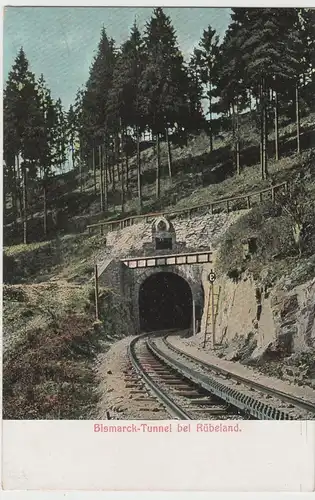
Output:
(212, 313)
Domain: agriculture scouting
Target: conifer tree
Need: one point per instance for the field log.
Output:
(164, 82)
(47, 140)
(125, 97)
(22, 117)
(209, 52)
(229, 80)
(72, 132)
(268, 57)
(195, 92)
(95, 102)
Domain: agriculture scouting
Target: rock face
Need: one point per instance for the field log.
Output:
(188, 235)
(294, 316)
(196, 232)
(279, 325)
(268, 324)
(239, 311)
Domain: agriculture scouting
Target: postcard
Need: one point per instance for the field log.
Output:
(159, 249)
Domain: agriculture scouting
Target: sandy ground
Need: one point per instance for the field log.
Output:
(187, 345)
(123, 395)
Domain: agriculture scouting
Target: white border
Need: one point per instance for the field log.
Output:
(165, 3)
(27, 495)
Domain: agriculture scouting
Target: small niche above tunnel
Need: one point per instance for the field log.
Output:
(163, 244)
(163, 234)
(165, 302)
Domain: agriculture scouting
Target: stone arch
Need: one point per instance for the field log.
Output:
(163, 234)
(162, 224)
(140, 277)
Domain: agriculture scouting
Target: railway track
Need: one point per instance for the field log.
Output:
(181, 397)
(287, 401)
(189, 388)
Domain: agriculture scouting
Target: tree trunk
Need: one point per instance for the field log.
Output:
(117, 156)
(238, 156)
(158, 167)
(18, 185)
(210, 117)
(14, 195)
(262, 131)
(113, 166)
(233, 133)
(45, 205)
(72, 155)
(24, 205)
(297, 113)
(127, 172)
(94, 168)
(105, 187)
(139, 171)
(101, 177)
(109, 167)
(169, 155)
(81, 173)
(122, 171)
(265, 136)
(276, 127)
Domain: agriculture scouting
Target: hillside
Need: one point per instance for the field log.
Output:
(198, 176)
(52, 346)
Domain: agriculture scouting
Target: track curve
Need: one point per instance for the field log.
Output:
(182, 397)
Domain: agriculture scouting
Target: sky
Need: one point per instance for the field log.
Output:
(60, 42)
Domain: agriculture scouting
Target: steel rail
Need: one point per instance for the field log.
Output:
(173, 408)
(247, 404)
(296, 401)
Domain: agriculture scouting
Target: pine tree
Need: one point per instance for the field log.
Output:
(195, 92)
(72, 132)
(22, 117)
(61, 139)
(78, 134)
(229, 80)
(209, 52)
(164, 82)
(11, 152)
(95, 102)
(125, 96)
(47, 140)
(269, 59)
(301, 45)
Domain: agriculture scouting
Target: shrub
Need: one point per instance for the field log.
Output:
(274, 241)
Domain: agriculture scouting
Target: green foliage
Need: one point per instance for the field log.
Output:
(265, 62)
(49, 364)
(274, 242)
(284, 233)
(299, 206)
(164, 82)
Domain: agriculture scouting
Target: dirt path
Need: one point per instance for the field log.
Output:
(122, 397)
(241, 370)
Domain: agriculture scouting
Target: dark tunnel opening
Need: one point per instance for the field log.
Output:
(165, 302)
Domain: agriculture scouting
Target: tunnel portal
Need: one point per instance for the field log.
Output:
(165, 302)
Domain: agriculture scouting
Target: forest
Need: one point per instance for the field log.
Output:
(263, 67)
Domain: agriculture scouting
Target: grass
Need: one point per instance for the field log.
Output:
(198, 176)
(23, 248)
(69, 257)
(275, 253)
(51, 346)
(50, 341)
